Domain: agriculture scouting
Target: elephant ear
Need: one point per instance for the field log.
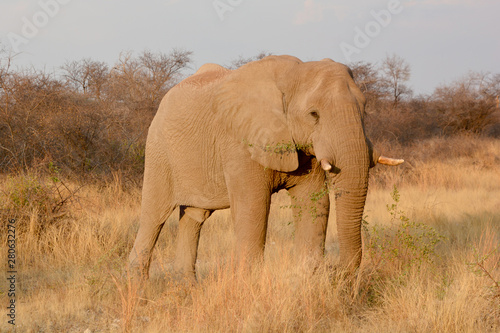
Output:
(253, 110)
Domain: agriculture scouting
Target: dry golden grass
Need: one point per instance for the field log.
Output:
(72, 272)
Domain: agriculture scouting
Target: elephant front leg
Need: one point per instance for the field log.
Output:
(310, 205)
(190, 223)
(250, 211)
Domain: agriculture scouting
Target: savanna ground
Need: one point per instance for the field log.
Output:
(431, 259)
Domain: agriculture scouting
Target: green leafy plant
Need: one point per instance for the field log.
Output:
(406, 244)
(26, 191)
(282, 147)
(311, 206)
(29, 195)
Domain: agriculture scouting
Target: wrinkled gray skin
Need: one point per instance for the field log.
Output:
(226, 138)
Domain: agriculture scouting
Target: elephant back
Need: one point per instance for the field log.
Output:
(205, 76)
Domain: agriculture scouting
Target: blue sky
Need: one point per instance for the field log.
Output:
(442, 40)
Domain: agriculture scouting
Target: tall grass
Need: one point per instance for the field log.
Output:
(73, 274)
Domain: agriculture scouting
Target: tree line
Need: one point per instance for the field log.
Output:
(467, 106)
(90, 119)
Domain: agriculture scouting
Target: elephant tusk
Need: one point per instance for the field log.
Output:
(389, 161)
(325, 165)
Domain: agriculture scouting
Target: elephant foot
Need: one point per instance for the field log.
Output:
(188, 277)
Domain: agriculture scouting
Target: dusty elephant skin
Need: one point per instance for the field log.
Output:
(226, 138)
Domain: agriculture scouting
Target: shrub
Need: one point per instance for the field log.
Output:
(403, 246)
(468, 105)
(35, 201)
(91, 121)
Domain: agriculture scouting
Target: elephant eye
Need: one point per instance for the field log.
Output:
(315, 115)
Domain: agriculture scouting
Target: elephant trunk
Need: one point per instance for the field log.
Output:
(350, 203)
(351, 159)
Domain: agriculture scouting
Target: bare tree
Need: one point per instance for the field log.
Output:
(124, 78)
(89, 120)
(86, 75)
(161, 72)
(241, 60)
(6, 128)
(141, 82)
(5, 61)
(27, 100)
(395, 73)
(469, 104)
(368, 80)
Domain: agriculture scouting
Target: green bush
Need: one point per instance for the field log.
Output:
(402, 246)
(29, 197)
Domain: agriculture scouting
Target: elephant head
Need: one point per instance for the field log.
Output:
(280, 105)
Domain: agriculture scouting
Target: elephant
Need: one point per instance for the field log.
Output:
(230, 138)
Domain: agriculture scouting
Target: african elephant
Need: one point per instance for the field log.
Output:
(230, 138)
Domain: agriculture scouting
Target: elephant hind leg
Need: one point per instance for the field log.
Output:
(157, 206)
(190, 223)
(149, 231)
